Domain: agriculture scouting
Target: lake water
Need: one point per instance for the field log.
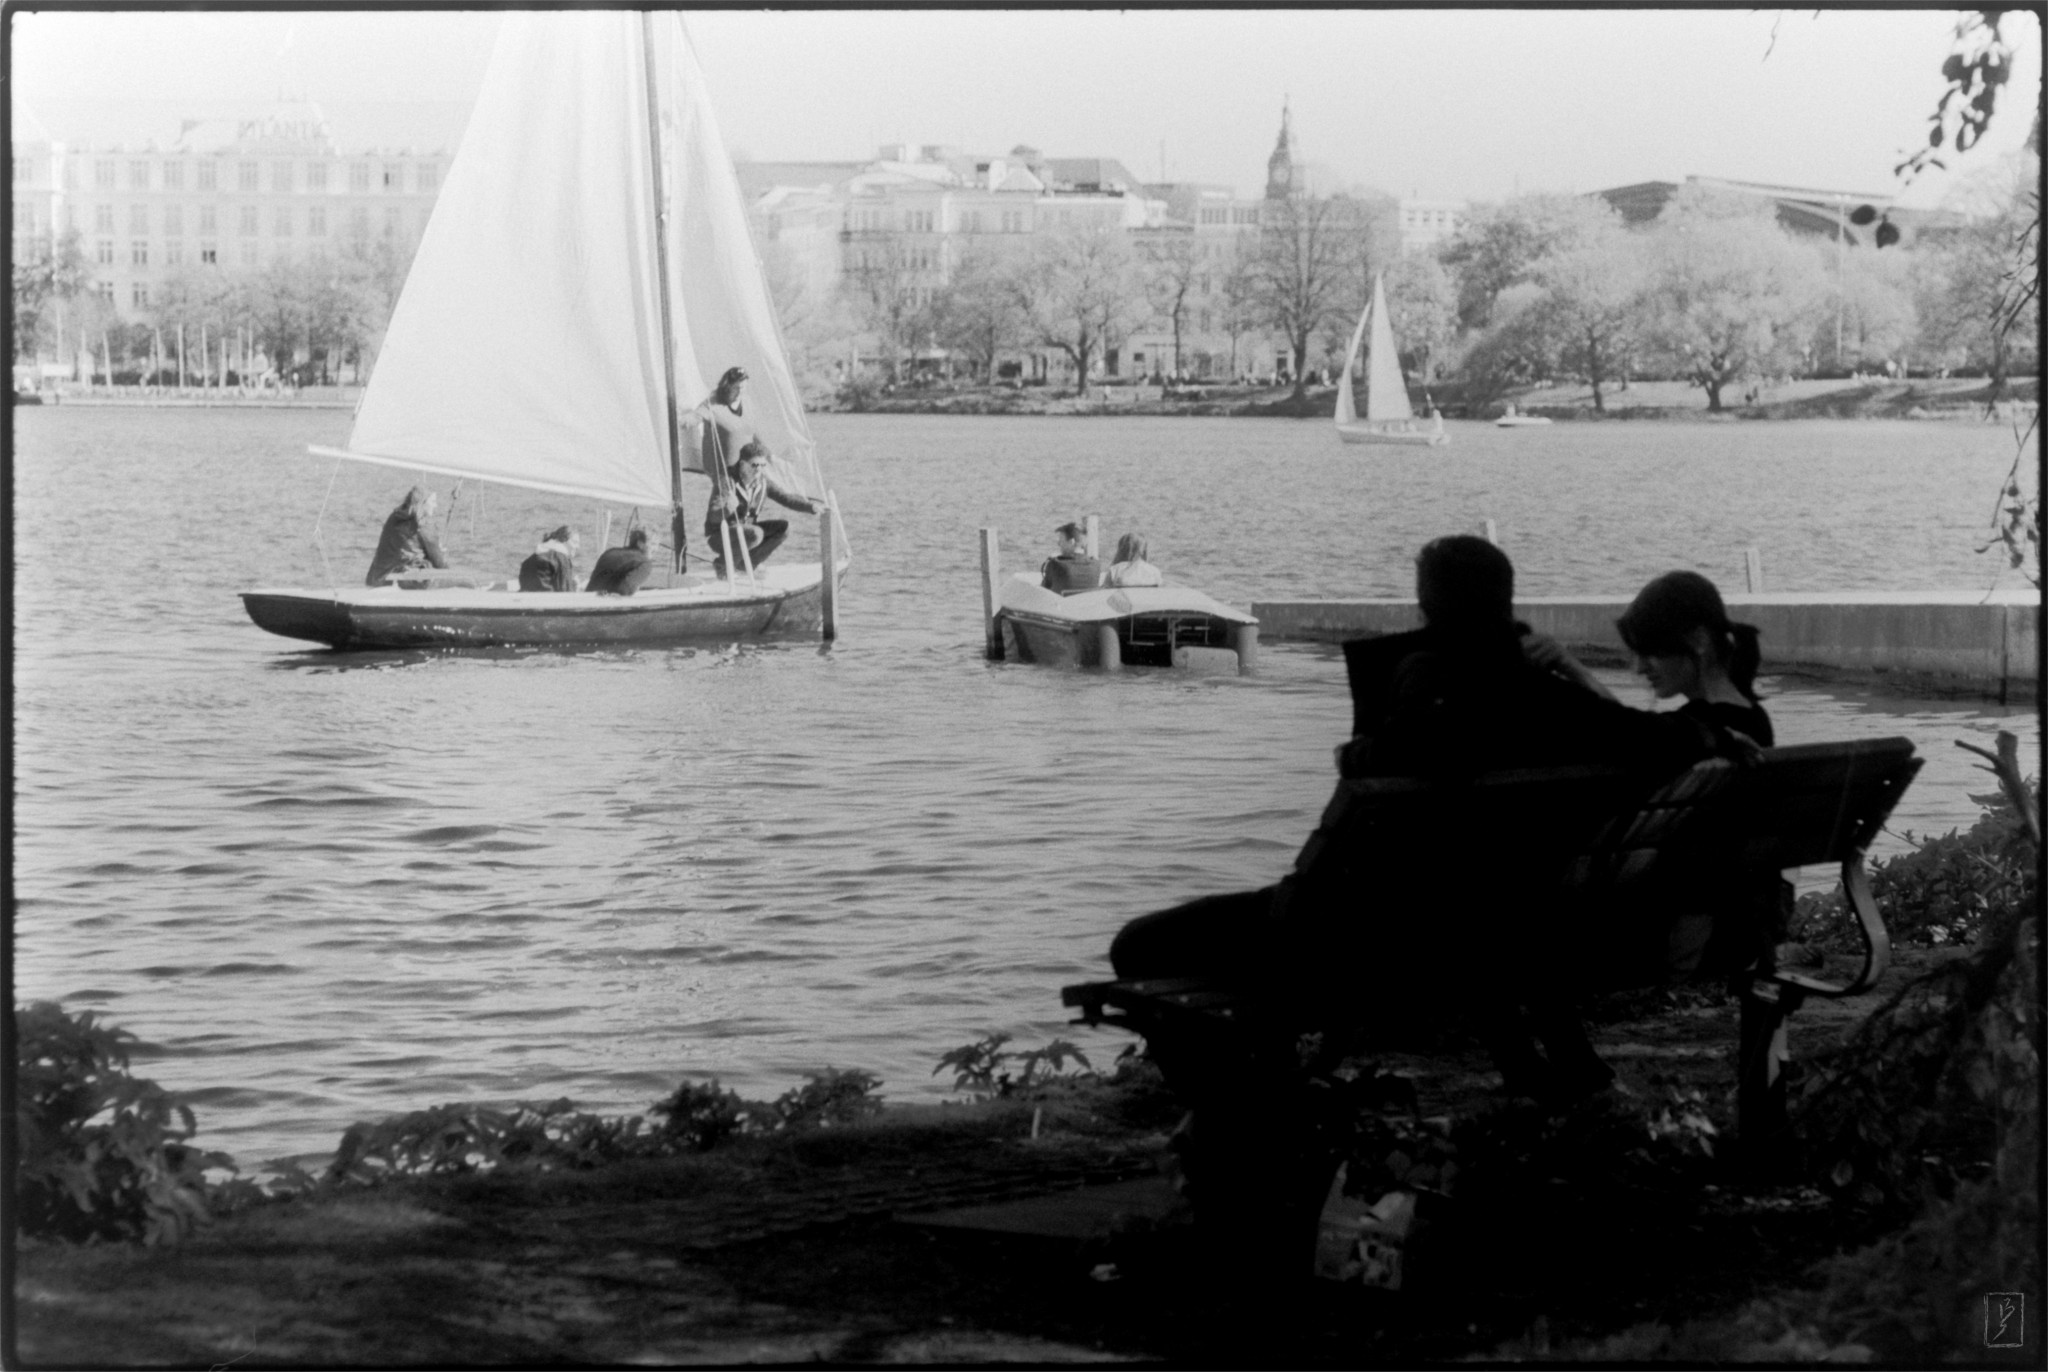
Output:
(331, 887)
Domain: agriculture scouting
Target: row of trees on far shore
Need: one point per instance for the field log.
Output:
(310, 319)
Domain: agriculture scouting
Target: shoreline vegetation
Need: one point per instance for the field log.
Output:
(1955, 399)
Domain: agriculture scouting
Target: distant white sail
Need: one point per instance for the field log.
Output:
(1347, 408)
(1386, 394)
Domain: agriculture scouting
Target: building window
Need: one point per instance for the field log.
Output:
(359, 222)
(247, 176)
(394, 176)
(316, 221)
(174, 220)
(138, 219)
(206, 219)
(103, 218)
(205, 178)
(209, 254)
(970, 221)
(103, 174)
(138, 175)
(281, 176)
(248, 252)
(316, 176)
(106, 289)
(138, 252)
(174, 176)
(248, 220)
(174, 253)
(140, 295)
(359, 177)
(284, 221)
(428, 176)
(1013, 221)
(103, 251)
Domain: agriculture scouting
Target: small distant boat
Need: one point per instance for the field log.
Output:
(1515, 419)
(1388, 419)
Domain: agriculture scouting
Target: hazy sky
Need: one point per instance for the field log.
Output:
(1466, 104)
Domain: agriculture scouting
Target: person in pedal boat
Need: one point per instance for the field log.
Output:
(551, 566)
(749, 490)
(406, 542)
(619, 571)
(1130, 567)
(1070, 569)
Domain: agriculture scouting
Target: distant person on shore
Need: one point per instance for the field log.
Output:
(551, 566)
(749, 489)
(1130, 567)
(1070, 569)
(406, 542)
(620, 571)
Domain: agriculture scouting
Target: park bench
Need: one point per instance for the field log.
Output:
(1613, 859)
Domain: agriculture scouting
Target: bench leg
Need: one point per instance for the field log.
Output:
(1761, 1058)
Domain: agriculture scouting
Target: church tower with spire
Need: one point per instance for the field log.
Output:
(1281, 179)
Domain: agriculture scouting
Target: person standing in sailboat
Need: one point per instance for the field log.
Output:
(748, 489)
(407, 541)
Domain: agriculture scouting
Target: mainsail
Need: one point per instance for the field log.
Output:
(1386, 394)
(526, 347)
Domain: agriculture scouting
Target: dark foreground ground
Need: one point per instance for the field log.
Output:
(804, 1248)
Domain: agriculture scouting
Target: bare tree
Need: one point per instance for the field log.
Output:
(1305, 266)
(883, 282)
(977, 312)
(1081, 289)
(1173, 269)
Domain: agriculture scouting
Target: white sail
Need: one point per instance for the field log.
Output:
(723, 315)
(1347, 408)
(526, 347)
(1386, 394)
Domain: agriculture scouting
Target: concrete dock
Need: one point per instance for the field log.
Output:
(1945, 642)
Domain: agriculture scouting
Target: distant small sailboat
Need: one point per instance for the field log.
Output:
(1388, 419)
(1515, 419)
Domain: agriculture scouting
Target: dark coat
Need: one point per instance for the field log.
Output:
(1069, 574)
(619, 571)
(405, 543)
(548, 568)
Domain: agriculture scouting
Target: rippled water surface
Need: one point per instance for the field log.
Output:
(329, 886)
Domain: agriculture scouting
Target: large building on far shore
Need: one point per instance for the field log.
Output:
(231, 195)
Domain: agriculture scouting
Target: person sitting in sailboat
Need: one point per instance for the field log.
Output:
(1070, 569)
(551, 566)
(620, 571)
(1130, 567)
(406, 542)
(748, 489)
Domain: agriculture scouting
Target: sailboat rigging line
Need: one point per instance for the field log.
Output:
(668, 347)
(319, 541)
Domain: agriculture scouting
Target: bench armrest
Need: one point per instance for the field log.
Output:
(1877, 941)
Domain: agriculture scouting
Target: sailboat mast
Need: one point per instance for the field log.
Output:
(668, 347)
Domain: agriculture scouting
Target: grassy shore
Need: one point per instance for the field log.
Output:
(790, 1247)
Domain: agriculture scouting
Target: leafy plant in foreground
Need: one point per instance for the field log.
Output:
(981, 1068)
(102, 1154)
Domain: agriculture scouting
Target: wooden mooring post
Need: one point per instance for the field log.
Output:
(1753, 566)
(828, 564)
(991, 564)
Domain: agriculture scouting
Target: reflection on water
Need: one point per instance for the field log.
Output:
(334, 886)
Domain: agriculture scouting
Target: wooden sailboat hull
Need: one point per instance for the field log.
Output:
(1411, 438)
(783, 600)
(1172, 626)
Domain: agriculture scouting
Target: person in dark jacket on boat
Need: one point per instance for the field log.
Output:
(749, 490)
(407, 541)
(619, 571)
(1370, 907)
(1070, 569)
(551, 566)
